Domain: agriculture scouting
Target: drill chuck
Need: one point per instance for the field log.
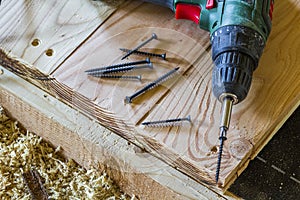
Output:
(235, 51)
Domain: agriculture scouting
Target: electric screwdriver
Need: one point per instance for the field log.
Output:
(238, 33)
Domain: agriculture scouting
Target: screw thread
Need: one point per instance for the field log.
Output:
(163, 56)
(128, 99)
(139, 77)
(168, 122)
(146, 61)
(154, 36)
(222, 139)
(120, 69)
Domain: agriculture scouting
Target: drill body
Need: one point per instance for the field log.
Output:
(238, 32)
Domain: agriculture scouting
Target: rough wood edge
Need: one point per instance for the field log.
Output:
(41, 113)
(107, 119)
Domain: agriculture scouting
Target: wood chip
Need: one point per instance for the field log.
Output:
(31, 168)
(34, 183)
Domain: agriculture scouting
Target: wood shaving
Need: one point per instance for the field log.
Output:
(21, 151)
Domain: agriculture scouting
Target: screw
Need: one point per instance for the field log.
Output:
(121, 69)
(139, 77)
(154, 36)
(95, 70)
(168, 122)
(163, 56)
(222, 139)
(128, 99)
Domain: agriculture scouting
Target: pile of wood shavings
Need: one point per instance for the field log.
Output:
(20, 152)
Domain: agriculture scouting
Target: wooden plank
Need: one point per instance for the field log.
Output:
(107, 119)
(192, 93)
(87, 142)
(45, 33)
(192, 150)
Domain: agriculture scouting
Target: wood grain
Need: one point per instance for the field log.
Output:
(192, 92)
(45, 33)
(108, 119)
(191, 149)
(90, 144)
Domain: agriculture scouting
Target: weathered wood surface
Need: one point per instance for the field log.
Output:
(45, 33)
(275, 91)
(192, 92)
(80, 138)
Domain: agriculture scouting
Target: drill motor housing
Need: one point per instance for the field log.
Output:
(238, 38)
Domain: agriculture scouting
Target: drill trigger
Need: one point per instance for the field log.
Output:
(188, 11)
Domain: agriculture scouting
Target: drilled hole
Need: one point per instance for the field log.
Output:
(36, 42)
(214, 149)
(49, 52)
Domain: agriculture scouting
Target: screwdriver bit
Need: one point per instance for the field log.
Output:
(224, 125)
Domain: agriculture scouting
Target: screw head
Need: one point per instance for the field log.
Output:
(150, 65)
(139, 77)
(128, 100)
(154, 36)
(189, 118)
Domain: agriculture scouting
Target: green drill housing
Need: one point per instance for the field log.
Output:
(238, 31)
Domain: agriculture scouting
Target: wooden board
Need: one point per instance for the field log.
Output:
(275, 91)
(134, 170)
(45, 33)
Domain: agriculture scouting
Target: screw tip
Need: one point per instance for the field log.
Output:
(164, 56)
(145, 123)
(217, 178)
(91, 73)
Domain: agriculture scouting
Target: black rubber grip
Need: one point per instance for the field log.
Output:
(236, 52)
(165, 3)
(232, 74)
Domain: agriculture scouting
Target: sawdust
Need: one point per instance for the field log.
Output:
(21, 151)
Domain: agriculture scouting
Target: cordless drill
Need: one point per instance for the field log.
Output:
(238, 33)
